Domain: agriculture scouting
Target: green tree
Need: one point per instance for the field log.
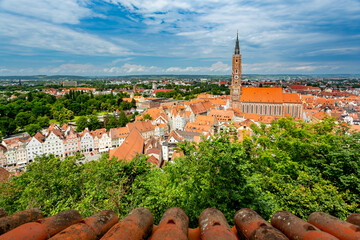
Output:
(112, 123)
(81, 123)
(32, 129)
(64, 115)
(123, 120)
(55, 185)
(22, 119)
(43, 121)
(146, 117)
(93, 123)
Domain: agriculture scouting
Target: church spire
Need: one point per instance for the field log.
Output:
(237, 48)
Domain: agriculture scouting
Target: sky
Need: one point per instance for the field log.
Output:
(140, 37)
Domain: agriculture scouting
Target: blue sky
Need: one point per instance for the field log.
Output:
(131, 37)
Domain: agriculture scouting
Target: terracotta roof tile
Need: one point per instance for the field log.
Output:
(44, 228)
(174, 225)
(17, 219)
(93, 227)
(354, 219)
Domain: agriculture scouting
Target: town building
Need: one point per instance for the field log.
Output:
(35, 146)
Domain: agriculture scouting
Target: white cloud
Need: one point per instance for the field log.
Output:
(38, 34)
(218, 67)
(64, 11)
(132, 69)
(334, 51)
(261, 24)
(288, 67)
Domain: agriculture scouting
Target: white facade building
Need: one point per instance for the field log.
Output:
(53, 143)
(35, 147)
(86, 141)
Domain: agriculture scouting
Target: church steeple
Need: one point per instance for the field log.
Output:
(237, 48)
(235, 92)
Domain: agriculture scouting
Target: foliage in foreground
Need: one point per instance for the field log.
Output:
(290, 165)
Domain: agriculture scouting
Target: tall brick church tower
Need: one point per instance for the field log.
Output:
(235, 92)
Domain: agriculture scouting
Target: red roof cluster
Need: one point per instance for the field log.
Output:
(174, 224)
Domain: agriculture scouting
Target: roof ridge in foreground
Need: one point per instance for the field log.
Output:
(174, 224)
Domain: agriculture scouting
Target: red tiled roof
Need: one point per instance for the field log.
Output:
(176, 136)
(39, 137)
(153, 160)
(154, 151)
(133, 144)
(174, 224)
(142, 126)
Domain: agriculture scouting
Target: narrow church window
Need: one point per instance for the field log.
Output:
(293, 111)
(270, 110)
(261, 109)
(256, 109)
(275, 113)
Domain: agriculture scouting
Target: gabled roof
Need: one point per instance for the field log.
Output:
(156, 151)
(205, 120)
(64, 126)
(3, 148)
(197, 108)
(222, 114)
(196, 127)
(153, 160)
(40, 137)
(57, 132)
(133, 144)
(155, 113)
(142, 126)
(176, 136)
(99, 133)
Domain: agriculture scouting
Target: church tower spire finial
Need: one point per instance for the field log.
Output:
(237, 48)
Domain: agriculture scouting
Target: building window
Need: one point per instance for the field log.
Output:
(270, 110)
(275, 110)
